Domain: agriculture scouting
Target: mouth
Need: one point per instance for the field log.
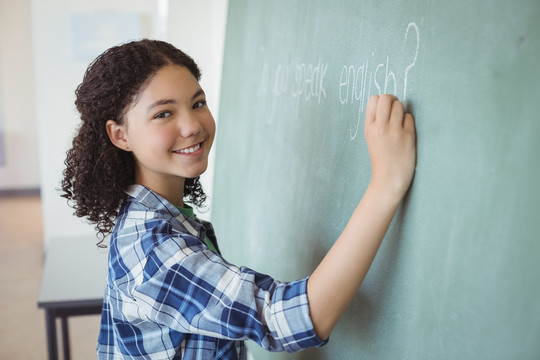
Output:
(189, 150)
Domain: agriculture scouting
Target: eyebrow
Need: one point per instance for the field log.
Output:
(160, 102)
(197, 94)
(172, 101)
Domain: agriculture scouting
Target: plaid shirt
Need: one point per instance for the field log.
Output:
(169, 297)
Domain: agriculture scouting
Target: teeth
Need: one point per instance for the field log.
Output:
(190, 150)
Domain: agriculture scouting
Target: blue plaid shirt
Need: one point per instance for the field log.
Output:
(169, 297)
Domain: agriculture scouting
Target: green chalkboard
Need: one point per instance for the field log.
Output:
(458, 274)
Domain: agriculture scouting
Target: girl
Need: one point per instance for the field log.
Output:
(143, 143)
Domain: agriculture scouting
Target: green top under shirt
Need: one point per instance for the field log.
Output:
(187, 211)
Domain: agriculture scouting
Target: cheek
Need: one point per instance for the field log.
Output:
(162, 139)
(210, 126)
(150, 141)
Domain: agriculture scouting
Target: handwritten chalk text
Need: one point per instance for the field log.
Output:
(357, 81)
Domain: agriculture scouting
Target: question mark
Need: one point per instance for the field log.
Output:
(411, 65)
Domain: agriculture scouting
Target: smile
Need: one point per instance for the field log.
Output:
(189, 150)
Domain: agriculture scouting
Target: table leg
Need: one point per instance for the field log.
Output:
(50, 321)
(65, 337)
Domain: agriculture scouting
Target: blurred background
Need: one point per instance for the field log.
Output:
(45, 47)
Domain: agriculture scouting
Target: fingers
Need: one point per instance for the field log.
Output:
(386, 108)
(396, 113)
(372, 108)
(408, 124)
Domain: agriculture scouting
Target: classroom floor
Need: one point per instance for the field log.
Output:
(22, 324)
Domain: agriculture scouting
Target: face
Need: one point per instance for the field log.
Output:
(169, 129)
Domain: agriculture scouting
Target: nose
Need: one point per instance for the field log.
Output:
(190, 125)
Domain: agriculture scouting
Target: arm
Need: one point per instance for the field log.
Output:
(390, 137)
(190, 289)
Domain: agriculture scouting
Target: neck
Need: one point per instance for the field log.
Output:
(172, 189)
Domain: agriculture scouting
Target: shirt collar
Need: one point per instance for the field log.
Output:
(157, 203)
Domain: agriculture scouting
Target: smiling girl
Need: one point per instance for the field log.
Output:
(143, 142)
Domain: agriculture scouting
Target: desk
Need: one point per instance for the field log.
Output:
(73, 283)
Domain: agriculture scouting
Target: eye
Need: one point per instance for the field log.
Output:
(163, 115)
(199, 104)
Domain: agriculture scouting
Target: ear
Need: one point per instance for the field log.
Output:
(117, 135)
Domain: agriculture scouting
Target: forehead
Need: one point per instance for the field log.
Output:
(171, 79)
(169, 82)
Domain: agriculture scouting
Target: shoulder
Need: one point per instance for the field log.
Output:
(143, 248)
(142, 229)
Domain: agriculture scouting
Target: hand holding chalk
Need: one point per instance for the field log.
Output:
(391, 140)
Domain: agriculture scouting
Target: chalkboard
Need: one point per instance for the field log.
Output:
(458, 274)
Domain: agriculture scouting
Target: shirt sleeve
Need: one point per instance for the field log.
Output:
(190, 289)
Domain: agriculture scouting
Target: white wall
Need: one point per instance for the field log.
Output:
(58, 72)
(21, 166)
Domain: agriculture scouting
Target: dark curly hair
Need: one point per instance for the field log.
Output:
(97, 172)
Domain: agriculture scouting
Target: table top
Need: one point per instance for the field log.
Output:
(74, 273)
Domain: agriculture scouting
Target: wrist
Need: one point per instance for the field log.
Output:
(387, 193)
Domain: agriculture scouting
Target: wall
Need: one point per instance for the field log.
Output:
(59, 69)
(19, 167)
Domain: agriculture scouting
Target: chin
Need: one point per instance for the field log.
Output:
(195, 173)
